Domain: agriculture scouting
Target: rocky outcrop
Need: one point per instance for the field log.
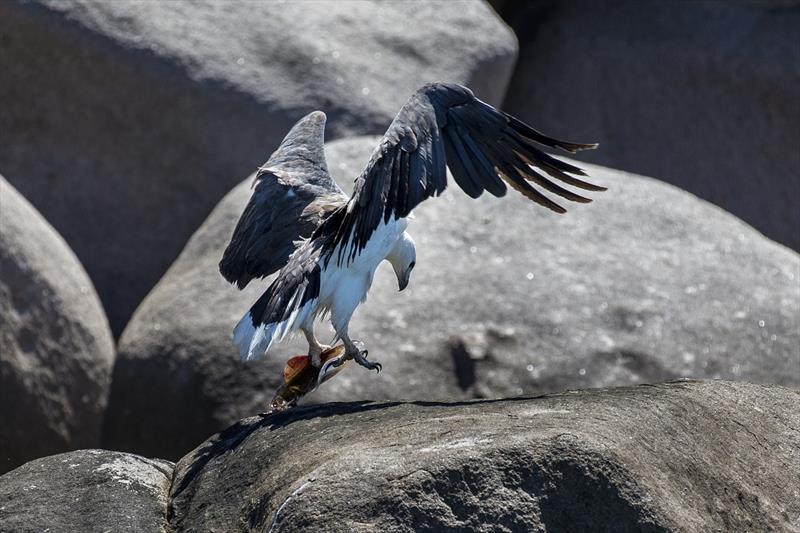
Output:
(86, 491)
(56, 351)
(125, 122)
(699, 94)
(682, 456)
(647, 283)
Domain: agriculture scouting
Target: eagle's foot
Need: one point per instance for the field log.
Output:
(356, 352)
(360, 357)
(315, 353)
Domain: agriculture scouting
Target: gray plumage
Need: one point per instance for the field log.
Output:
(293, 193)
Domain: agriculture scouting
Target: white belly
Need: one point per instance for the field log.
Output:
(343, 288)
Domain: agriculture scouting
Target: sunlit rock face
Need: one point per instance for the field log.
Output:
(87, 490)
(685, 456)
(680, 456)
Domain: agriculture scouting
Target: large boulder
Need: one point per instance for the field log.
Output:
(139, 116)
(56, 351)
(700, 94)
(647, 283)
(86, 491)
(682, 456)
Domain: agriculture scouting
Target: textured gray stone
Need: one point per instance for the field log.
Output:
(700, 94)
(56, 351)
(683, 456)
(645, 284)
(86, 491)
(125, 122)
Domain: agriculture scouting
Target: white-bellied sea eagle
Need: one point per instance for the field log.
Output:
(326, 246)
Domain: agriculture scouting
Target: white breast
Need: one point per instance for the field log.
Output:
(344, 287)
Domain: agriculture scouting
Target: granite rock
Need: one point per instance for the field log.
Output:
(699, 94)
(56, 350)
(681, 456)
(87, 491)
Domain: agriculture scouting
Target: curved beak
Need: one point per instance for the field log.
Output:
(402, 282)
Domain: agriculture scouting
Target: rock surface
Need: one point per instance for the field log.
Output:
(648, 283)
(86, 491)
(699, 94)
(56, 351)
(681, 456)
(140, 116)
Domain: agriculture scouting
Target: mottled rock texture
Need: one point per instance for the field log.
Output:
(125, 122)
(86, 491)
(645, 284)
(56, 351)
(682, 456)
(700, 94)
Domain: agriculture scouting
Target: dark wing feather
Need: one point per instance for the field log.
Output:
(298, 283)
(485, 149)
(293, 193)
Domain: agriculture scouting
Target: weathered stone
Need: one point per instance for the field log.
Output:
(56, 351)
(647, 283)
(682, 456)
(700, 94)
(125, 122)
(86, 491)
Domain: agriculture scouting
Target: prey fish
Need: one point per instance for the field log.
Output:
(300, 377)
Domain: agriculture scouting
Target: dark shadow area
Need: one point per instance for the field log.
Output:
(574, 497)
(670, 63)
(157, 435)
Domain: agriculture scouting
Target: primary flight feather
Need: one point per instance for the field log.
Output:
(326, 246)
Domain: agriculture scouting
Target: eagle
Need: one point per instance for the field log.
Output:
(326, 246)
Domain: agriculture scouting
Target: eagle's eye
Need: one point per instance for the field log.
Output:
(411, 265)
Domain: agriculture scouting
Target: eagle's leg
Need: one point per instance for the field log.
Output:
(352, 351)
(314, 347)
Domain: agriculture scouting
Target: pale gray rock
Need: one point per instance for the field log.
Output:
(681, 456)
(125, 122)
(645, 284)
(701, 94)
(56, 350)
(86, 491)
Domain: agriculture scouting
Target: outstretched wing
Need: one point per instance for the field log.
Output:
(444, 124)
(293, 193)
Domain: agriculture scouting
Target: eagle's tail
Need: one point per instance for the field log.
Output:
(250, 339)
(285, 306)
(254, 339)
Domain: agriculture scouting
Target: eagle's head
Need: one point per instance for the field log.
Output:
(403, 258)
